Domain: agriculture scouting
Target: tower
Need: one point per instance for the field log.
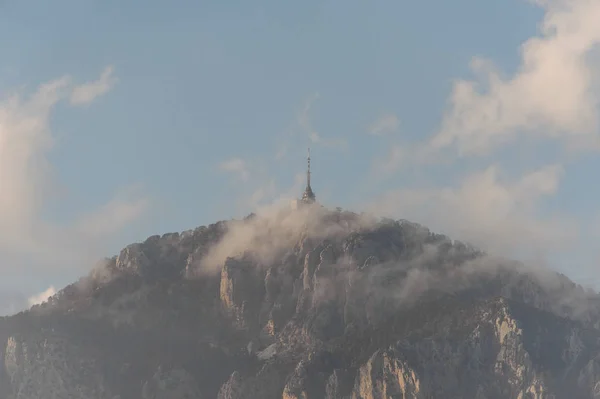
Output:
(308, 197)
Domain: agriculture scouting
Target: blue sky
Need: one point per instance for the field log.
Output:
(188, 111)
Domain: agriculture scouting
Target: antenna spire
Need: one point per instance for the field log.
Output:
(308, 170)
(308, 195)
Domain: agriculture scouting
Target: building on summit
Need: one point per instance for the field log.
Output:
(308, 197)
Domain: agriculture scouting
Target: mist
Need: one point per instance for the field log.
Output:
(436, 265)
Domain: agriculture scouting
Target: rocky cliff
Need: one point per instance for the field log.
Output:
(309, 303)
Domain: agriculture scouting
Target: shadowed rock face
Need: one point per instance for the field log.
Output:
(344, 309)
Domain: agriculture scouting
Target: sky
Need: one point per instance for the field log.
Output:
(121, 120)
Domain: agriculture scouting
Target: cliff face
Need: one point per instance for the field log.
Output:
(307, 305)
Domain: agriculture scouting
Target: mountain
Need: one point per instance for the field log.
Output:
(309, 303)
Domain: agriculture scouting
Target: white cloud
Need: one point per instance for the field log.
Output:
(41, 297)
(387, 123)
(238, 166)
(126, 207)
(304, 121)
(24, 171)
(88, 92)
(275, 229)
(261, 194)
(553, 94)
(337, 143)
(259, 188)
(301, 134)
(488, 210)
(406, 155)
(304, 114)
(27, 183)
(391, 162)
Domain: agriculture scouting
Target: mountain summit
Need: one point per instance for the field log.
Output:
(306, 303)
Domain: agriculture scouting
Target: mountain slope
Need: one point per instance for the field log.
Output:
(306, 304)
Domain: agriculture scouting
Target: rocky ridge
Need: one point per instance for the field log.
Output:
(306, 304)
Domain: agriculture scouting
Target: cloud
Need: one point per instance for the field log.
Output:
(336, 143)
(553, 292)
(274, 230)
(259, 188)
(88, 92)
(237, 166)
(409, 154)
(277, 232)
(28, 184)
(24, 171)
(304, 121)
(391, 162)
(301, 134)
(488, 210)
(553, 94)
(41, 297)
(127, 206)
(387, 123)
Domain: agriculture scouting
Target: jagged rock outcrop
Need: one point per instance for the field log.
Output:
(386, 375)
(241, 292)
(486, 357)
(311, 304)
(50, 368)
